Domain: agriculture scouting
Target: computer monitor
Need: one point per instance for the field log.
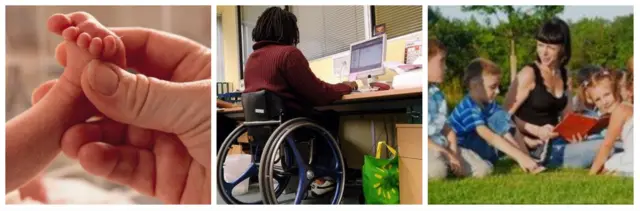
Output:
(367, 57)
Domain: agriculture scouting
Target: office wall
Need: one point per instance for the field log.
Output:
(357, 141)
(229, 15)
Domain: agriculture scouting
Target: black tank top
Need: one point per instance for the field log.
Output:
(541, 107)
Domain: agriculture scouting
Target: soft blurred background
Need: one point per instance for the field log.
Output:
(30, 61)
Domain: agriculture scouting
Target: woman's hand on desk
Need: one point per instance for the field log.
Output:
(352, 84)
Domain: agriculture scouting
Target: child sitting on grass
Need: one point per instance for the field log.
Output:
(603, 90)
(581, 103)
(481, 125)
(444, 155)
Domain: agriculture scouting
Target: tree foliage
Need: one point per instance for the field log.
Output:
(594, 40)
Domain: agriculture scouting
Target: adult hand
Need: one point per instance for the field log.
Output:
(546, 132)
(157, 134)
(532, 142)
(351, 84)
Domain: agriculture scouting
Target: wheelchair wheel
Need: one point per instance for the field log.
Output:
(318, 165)
(225, 189)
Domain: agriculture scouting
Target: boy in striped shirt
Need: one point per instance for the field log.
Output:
(481, 125)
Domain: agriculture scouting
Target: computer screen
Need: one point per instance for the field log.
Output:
(367, 55)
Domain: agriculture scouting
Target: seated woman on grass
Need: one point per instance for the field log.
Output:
(539, 98)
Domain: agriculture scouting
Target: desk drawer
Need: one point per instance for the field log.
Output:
(410, 171)
(410, 140)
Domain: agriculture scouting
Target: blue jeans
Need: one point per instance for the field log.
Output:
(500, 123)
(577, 155)
(561, 154)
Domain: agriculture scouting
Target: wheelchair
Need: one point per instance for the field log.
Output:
(283, 148)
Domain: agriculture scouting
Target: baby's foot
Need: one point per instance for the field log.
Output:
(85, 39)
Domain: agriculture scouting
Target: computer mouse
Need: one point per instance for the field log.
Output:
(381, 86)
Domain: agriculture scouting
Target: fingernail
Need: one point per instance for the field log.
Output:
(103, 78)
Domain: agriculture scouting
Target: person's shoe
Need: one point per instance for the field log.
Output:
(321, 189)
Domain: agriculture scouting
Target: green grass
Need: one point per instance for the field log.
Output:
(509, 185)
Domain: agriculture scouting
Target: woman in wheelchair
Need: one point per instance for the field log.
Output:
(279, 68)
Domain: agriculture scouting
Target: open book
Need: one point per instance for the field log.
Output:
(575, 124)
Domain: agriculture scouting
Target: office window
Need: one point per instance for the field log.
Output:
(399, 20)
(219, 51)
(327, 30)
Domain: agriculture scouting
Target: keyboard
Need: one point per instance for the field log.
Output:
(373, 89)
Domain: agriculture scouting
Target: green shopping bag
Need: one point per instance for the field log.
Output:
(380, 182)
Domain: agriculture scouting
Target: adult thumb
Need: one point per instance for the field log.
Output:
(148, 102)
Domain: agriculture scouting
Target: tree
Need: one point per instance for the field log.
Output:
(594, 41)
(434, 15)
(520, 23)
(621, 30)
(591, 44)
(602, 42)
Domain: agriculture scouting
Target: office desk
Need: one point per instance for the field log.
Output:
(388, 101)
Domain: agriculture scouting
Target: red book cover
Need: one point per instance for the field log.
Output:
(575, 124)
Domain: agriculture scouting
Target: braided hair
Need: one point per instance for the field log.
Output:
(277, 25)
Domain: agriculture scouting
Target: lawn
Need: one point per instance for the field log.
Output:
(509, 185)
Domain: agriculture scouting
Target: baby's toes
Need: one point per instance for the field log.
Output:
(94, 28)
(110, 47)
(71, 34)
(79, 17)
(96, 47)
(84, 40)
(57, 23)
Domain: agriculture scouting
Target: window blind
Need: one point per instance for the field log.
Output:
(327, 30)
(399, 20)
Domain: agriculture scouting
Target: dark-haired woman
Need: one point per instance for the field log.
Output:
(539, 98)
(278, 66)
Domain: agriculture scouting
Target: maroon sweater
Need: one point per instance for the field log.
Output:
(283, 70)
